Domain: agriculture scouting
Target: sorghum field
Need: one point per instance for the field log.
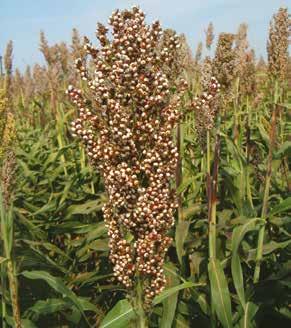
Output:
(143, 186)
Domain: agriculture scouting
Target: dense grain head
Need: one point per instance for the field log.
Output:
(3, 115)
(8, 137)
(184, 58)
(127, 129)
(45, 49)
(206, 106)
(206, 72)
(224, 61)
(77, 44)
(198, 53)
(241, 46)
(8, 68)
(248, 76)
(209, 35)
(277, 45)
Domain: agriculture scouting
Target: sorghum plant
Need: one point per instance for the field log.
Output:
(7, 170)
(206, 111)
(127, 128)
(277, 48)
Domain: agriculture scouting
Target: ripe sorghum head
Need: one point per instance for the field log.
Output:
(198, 53)
(7, 157)
(206, 73)
(241, 46)
(209, 35)
(206, 107)
(224, 61)
(8, 69)
(127, 130)
(248, 78)
(277, 45)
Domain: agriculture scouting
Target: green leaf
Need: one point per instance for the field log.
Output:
(49, 306)
(170, 303)
(26, 171)
(78, 227)
(273, 246)
(284, 150)
(6, 219)
(170, 291)
(86, 208)
(180, 237)
(119, 316)
(236, 269)
(197, 296)
(187, 182)
(264, 133)
(48, 207)
(181, 322)
(3, 260)
(285, 205)
(95, 233)
(26, 323)
(249, 313)
(58, 285)
(190, 211)
(220, 293)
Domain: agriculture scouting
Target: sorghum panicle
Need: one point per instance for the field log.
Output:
(205, 108)
(209, 35)
(8, 69)
(248, 83)
(198, 53)
(127, 129)
(241, 46)
(277, 45)
(224, 62)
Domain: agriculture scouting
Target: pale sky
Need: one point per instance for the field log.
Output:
(22, 20)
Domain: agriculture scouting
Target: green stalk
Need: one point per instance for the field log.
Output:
(211, 206)
(82, 157)
(235, 128)
(7, 237)
(13, 284)
(212, 187)
(211, 195)
(248, 132)
(208, 153)
(60, 133)
(3, 291)
(141, 320)
(266, 195)
(179, 176)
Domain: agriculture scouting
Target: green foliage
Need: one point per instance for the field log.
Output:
(56, 239)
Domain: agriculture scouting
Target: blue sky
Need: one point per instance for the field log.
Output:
(22, 20)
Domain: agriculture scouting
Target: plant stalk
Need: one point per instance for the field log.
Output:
(266, 194)
(3, 289)
(179, 171)
(236, 100)
(141, 320)
(212, 180)
(14, 293)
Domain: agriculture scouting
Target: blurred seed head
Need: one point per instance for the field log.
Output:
(277, 45)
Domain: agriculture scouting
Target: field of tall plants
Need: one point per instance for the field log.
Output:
(146, 186)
